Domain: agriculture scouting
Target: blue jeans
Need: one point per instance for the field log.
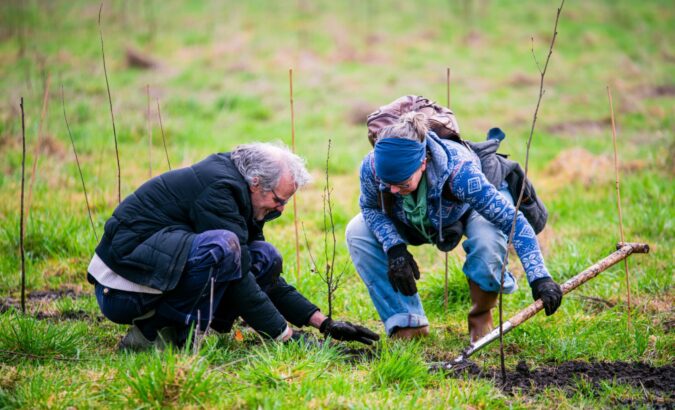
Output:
(214, 255)
(485, 248)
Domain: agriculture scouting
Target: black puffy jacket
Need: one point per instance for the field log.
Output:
(148, 236)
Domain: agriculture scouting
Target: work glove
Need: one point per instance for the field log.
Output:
(403, 270)
(347, 331)
(549, 292)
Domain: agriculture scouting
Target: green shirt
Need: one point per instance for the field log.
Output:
(415, 208)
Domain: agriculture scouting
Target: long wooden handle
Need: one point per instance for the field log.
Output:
(622, 252)
(624, 249)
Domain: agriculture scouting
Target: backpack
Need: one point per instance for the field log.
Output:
(496, 167)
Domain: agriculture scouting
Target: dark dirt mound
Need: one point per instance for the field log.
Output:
(659, 381)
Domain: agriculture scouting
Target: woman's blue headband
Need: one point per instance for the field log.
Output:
(396, 159)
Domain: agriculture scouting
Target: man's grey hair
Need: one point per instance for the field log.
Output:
(263, 164)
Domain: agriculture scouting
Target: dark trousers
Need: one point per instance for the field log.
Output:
(213, 262)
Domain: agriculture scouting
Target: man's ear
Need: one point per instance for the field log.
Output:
(255, 185)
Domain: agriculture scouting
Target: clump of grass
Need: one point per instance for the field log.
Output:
(23, 337)
(273, 365)
(400, 364)
(163, 379)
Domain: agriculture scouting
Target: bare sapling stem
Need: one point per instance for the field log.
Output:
(330, 278)
(147, 90)
(79, 167)
(542, 73)
(445, 284)
(618, 202)
(161, 127)
(295, 200)
(112, 115)
(38, 145)
(21, 221)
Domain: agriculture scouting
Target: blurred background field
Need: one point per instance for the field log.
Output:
(219, 70)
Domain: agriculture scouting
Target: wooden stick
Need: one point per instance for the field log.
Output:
(448, 86)
(147, 90)
(79, 168)
(624, 249)
(21, 227)
(38, 145)
(161, 127)
(112, 115)
(618, 203)
(295, 203)
(542, 73)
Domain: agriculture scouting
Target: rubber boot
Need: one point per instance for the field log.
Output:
(480, 315)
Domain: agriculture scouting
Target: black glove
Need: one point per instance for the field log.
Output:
(347, 331)
(549, 292)
(403, 270)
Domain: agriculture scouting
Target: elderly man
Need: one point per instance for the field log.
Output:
(191, 241)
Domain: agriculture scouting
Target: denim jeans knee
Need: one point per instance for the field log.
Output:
(395, 309)
(266, 263)
(216, 252)
(485, 247)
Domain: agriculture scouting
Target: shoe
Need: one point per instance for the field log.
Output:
(409, 333)
(136, 341)
(480, 315)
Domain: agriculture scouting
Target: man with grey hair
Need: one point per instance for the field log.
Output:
(187, 248)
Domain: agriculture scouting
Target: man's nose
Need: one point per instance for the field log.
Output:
(394, 189)
(280, 208)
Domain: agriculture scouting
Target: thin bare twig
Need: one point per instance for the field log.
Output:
(445, 284)
(161, 127)
(295, 201)
(38, 145)
(112, 115)
(147, 90)
(79, 168)
(618, 203)
(542, 73)
(21, 227)
(330, 279)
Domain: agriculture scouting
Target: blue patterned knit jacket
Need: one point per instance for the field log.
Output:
(455, 164)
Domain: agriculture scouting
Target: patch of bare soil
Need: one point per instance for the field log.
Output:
(659, 381)
(39, 296)
(579, 165)
(581, 127)
(655, 91)
(358, 112)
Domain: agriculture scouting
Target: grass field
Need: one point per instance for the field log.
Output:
(221, 77)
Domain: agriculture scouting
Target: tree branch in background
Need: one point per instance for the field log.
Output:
(79, 168)
(38, 145)
(161, 127)
(21, 227)
(618, 203)
(542, 73)
(112, 115)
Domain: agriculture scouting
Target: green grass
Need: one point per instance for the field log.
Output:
(223, 80)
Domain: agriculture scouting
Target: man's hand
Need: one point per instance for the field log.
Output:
(549, 292)
(347, 331)
(403, 270)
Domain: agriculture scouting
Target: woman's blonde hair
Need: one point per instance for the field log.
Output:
(412, 125)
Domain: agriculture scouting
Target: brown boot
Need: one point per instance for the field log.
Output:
(480, 315)
(409, 333)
